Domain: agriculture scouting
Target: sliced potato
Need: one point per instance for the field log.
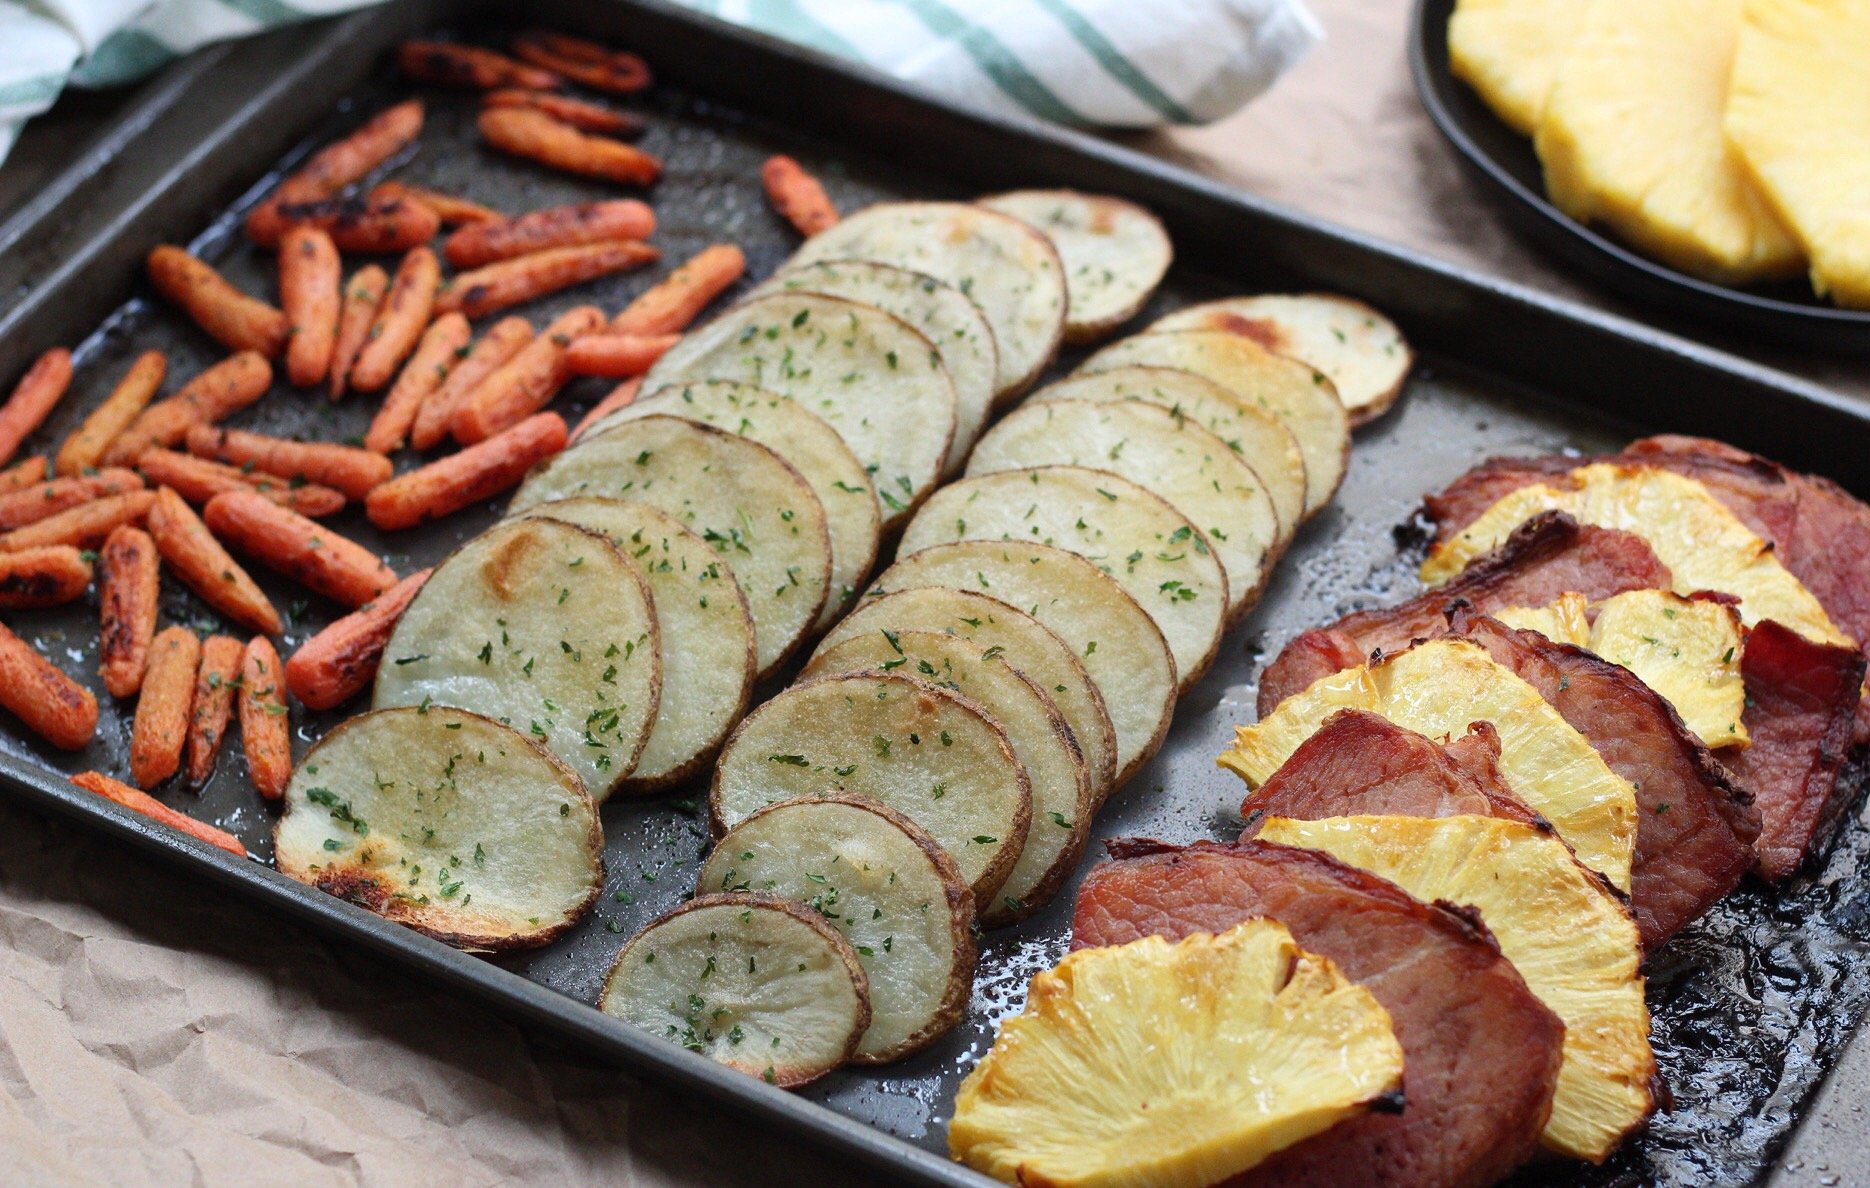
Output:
(1027, 644)
(1061, 785)
(805, 440)
(445, 821)
(1187, 466)
(1362, 352)
(1010, 270)
(755, 982)
(878, 880)
(940, 311)
(1261, 439)
(542, 626)
(1148, 547)
(703, 628)
(1119, 644)
(874, 378)
(1115, 253)
(1299, 396)
(931, 754)
(749, 503)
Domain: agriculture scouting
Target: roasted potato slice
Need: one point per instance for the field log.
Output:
(755, 982)
(1115, 253)
(882, 883)
(445, 821)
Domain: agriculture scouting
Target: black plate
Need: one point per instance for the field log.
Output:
(1786, 312)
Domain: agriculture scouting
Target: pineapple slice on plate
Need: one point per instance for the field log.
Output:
(1175, 1065)
(1797, 116)
(1631, 138)
(1571, 938)
(1508, 51)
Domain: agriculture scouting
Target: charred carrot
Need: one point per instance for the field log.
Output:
(160, 728)
(49, 703)
(617, 356)
(799, 197)
(446, 64)
(192, 554)
(216, 682)
(555, 226)
(82, 526)
(301, 549)
(24, 473)
(85, 448)
(621, 396)
(450, 208)
(399, 322)
(536, 274)
(201, 479)
(362, 297)
(586, 117)
(345, 468)
(309, 279)
(32, 399)
(366, 226)
(51, 576)
(668, 306)
(442, 344)
(478, 472)
(527, 382)
(339, 662)
(337, 165)
(148, 806)
(233, 319)
(127, 589)
(53, 496)
(500, 343)
(525, 132)
(265, 732)
(215, 394)
(584, 61)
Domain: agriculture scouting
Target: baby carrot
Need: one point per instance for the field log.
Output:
(82, 526)
(621, 396)
(617, 356)
(24, 473)
(50, 576)
(233, 319)
(554, 226)
(583, 61)
(442, 343)
(399, 321)
(215, 394)
(84, 449)
(522, 278)
(49, 703)
(527, 382)
(500, 343)
(346, 468)
(301, 549)
(478, 472)
(450, 208)
(161, 725)
(32, 399)
(337, 165)
(339, 662)
(215, 684)
(192, 554)
(201, 479)
(799, 197)
(366, 226)
(265, 732)
(61, 494)
(309, 279)
(362, 297)
(447, 64)
(127, 589)
(155, 810)
(525, 132)
(668, 306)
(586, 117)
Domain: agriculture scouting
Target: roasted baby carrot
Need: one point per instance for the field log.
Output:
(399, 322)
(442, 344)
(362, 297)
(85, 448)
(51, 576)
(53, 496)
(160, 728)
(621, 396)
(668, 306)
(500, 343)
(617, 356)
(798, 196)
(192, 554)
(303, 550)
(49, 703)
(24, 473)
(339, 662)
(366, 226)
(525, 132)
(450, 208)
(527, 382)
(233, 319)
(510, 282)
(32, 399)
(216, 682)
(554, 226)
(265, 732)
(586, 117)
(309, 279)
(478, 472)
(217, 393)
(345, 468)
(155, 810)
(446, 64)
(127, 589)
(337, 165)
(584, 61)
(201, 479)
(82, 526)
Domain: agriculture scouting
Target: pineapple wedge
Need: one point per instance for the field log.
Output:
(1797, 116)
(1508, 51)
(1566, 619)
(1631, 137)
(1571, 939)
(1437, 689)
(1173, 1065)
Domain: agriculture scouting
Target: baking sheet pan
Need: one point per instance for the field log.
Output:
(1752, 1004)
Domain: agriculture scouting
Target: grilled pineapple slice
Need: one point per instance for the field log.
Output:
(1692, 532)
(1796, 116)
(1437, 689)
(1508, 51)
(1567, 619)
(1173, 1064)
(1571, 939)
(1631, 138)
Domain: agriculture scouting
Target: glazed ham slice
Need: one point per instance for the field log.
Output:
(1480, 1052)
